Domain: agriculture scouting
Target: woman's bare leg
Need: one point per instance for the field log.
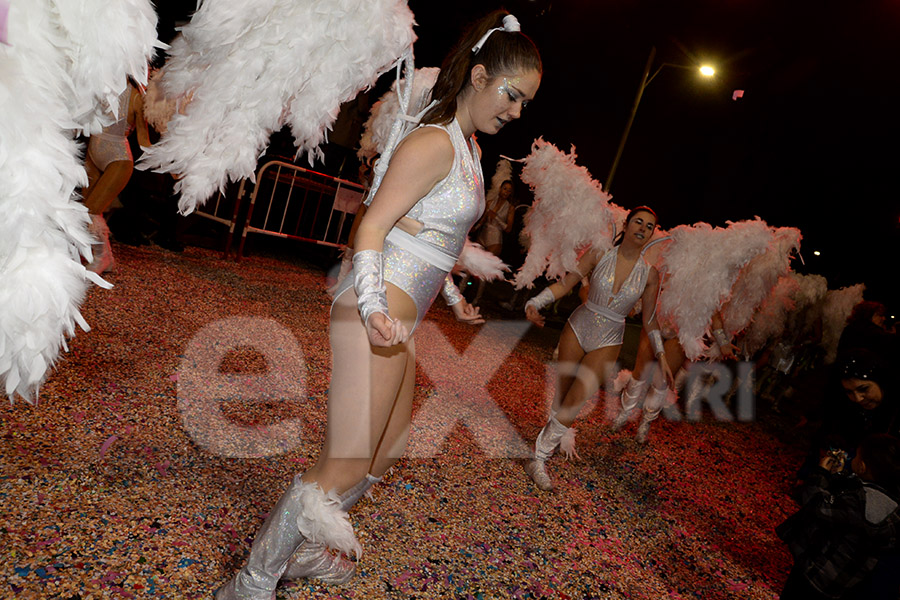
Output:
(392, 444)
(93, 174)
(656, 396)
(592, 372)
(589, 373)
(109, 184)
(366, 385)
(568, 361)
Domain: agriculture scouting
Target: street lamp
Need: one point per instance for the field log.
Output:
(705, 70)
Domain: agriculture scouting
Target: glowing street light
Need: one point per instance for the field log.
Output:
(817, 253)
(705, 70)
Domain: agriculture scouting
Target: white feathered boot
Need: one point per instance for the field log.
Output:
(547, 441)
(313, 560)
(653, 405)
(101, 250)
(631, 396)
(304, 512)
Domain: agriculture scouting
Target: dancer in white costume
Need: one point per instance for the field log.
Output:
(417, 222)
(109, 165)
(639, 383)
(756, 256)
(592, 337)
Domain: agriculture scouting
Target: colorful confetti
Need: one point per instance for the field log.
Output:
(118, 486)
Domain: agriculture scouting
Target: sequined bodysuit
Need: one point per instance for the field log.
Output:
(418, 264)
(112, 145)
(600, 321)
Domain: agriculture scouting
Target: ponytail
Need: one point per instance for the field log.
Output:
(503, 51)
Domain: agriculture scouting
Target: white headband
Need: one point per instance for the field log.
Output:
(510, 23)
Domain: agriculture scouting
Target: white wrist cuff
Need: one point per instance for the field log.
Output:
(656, 342)
(450, 292)
(368, 281)
(545, 298)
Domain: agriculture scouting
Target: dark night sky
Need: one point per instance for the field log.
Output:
(811, 144)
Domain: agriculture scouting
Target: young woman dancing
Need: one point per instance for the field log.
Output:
(654, 396)
(409, 239)
(592, 337)
(109, 165)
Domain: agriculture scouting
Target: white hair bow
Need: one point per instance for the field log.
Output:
(510, 23)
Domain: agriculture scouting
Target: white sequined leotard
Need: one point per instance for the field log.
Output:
(600, 321)
(112, 145)
(419, 264)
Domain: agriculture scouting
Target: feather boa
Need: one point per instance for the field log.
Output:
(570, 212)
(699, 268)
(377, 128)
(249, 68)
(45, 95)
(835, 312)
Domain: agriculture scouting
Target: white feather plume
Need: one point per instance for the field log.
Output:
(567, 444)
(808, 303)
(44, 96)
(321, 520)
(698, 268)
(757, 279)
(479, 262)
(377, 128)
(158, 108)
(106, 41)
(249, 68)
(570, 212)
(835, 312)
(771, 318)
(621, 380)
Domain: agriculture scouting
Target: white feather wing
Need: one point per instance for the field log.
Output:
(570, 212)
(249, 68)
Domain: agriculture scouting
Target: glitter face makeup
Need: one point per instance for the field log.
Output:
(509, 88)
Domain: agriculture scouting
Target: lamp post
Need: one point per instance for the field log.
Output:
(705, 70)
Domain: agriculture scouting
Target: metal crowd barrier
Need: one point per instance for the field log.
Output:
(299, 204)
(224, 209)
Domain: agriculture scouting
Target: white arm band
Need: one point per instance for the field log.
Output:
(368, 281)
(450, 292)
(721, 338)
(545, 298)
(656, 342)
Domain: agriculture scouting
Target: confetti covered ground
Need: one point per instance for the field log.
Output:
(167, 432)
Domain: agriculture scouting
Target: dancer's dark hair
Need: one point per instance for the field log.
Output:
(621, 235)
(503, 52)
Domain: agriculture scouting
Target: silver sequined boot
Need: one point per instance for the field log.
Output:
(304, 512)
(101, 250)
(547, 441)
(313, 560)
(653, 405)
(631, 397)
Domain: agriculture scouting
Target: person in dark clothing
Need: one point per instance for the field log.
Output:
(868, 405)
(844, 538)
(860, 401)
